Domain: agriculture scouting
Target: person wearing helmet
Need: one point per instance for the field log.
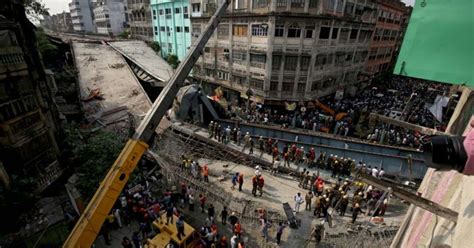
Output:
(355, 212)
(211, 129)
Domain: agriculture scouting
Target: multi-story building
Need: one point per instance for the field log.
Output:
(81, 15)
(139, 19)
(110, 16)
(285, 50)
(28, 114)
(392, 18)
(171, 26)
(62, 22)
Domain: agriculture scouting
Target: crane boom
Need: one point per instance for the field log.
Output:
(89, 224)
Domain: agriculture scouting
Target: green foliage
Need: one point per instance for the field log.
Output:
(35, 7)
(124, 35)
(155, 46)
(49, 52)
(97, 155)
(173, 61)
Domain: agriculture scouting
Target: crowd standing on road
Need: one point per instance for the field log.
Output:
(394, 97)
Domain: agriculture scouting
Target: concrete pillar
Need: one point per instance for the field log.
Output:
(268, 64)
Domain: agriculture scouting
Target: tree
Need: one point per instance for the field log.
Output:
(155, 46)
(173, 61)
(35, 7)
(49, 52)
(97, 155)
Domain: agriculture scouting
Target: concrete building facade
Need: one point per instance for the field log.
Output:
(62, 22)
(28, 114)
(171, 26)
(110, 16)
(392, 17)
(139, 19)
(285, 50)
(81, 15)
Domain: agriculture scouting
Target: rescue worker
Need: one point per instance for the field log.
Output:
(254, 185)
(241, 181)
(239, 137)
(355, 212)
(246, 141)
(301, 177)
(261, 182)
(205, 173)
(343, 205)
(308, 198)
(286, 158)
(211, 129)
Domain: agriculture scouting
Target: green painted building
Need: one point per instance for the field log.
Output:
(171, 26)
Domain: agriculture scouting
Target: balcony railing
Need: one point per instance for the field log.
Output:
(13, 130)
(50, 174)
(12, 59)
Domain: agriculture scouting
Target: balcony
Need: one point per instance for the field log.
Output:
(12, 62)
(15, 129)
(50, 174)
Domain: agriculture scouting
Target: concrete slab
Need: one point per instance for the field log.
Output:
(143, 56)
(100, 67)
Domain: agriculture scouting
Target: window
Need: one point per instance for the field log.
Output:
(223, 75)
(301, 88)
(276, 62)
(258, 60)
(156, 30)
(259, 30)
(320, 60)
(196, 7)
(207, 49)
(273, 86)
(223, 30)
(324, 33)
(315, 85)
(168, 11)
(256, 83)
(154, 14)
(334, 33)
(279, 30)
(239, 30)
(309, 32)
(185, 12)
(353, 34)
(239, 57)
(287, 87)
(179, 29)
(349, 9)
(161, 11)
(304, 65)
(297, 3)
(291, 62)
(162, 29)
(186, 29)
(260, 3)
(294, 31)
(313, 3)
(359, 10)
(177, 10)
(281, 3)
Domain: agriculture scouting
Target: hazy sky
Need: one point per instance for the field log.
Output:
(57, 6)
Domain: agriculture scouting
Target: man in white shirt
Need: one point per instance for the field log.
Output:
(375, 172)
(298, 201)
(381, 172)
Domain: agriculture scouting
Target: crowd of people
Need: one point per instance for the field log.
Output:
(405, 96)
(361, 198)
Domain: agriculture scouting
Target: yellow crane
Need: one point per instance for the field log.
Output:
(89, 224)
